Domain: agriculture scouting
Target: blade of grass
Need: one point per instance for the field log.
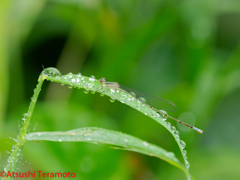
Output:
(109, 137)
(91, 84)
(88, 83)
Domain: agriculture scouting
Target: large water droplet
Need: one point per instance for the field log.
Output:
(86, 91)
(182, 144)
(51, 72)
(112, 100)
(173, 128)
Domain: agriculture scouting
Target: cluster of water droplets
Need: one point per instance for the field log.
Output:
(88, 83)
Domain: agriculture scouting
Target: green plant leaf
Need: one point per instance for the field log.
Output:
(115, 139)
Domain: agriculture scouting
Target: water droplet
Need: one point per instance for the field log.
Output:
(176, 133)
(70, 75)
(33, 99)
(79, 74)
(173, 128)
(142, 99)
(112, 90)
(70, 86)
(163, 114)
(92, 78)
(73, 80)
(184, 152)
(102, 94)
(182, 144)
(51, 72)
(86, 91)
(24, 116)
(112, 100)
(62, 84)
(168, 124)
(187, 164)
(93, 92)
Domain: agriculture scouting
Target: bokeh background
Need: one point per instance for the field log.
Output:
(185, 51)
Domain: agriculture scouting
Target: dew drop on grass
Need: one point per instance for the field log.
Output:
(112, 100)
(187, 164)
(79, 74)
(70, 86)
(184, 152)
(92, 78)
(102, 94)
(163, 114)
(173, 128)
(86, 91)
(182, 144)
(70, 75)
(73, 80)
(168, 124)
(51, 72)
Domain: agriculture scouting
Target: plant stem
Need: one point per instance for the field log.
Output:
(17, 148)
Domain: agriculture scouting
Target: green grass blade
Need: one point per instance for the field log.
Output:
(92, 84)
(108, 137)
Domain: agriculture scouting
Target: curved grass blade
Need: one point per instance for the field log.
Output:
(108, 137)
(92, 84)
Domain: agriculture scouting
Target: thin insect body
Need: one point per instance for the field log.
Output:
(115, 85)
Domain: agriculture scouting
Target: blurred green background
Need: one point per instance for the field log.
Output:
(185, 51)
